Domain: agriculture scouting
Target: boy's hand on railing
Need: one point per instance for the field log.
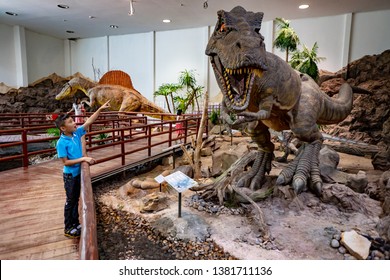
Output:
(89, 160)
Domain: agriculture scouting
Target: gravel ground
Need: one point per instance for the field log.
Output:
(123, 236)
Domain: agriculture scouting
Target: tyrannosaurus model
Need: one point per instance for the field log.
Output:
(121, 98)
(264, 91)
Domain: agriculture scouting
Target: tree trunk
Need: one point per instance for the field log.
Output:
(287, 55)
(173, 104)
(166, 100)
(197, 104)
(190, 99)
(199, 138)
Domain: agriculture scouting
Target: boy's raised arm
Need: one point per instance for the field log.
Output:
(94, 116)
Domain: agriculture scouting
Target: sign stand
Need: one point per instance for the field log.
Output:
(180, 182)
(179, 210)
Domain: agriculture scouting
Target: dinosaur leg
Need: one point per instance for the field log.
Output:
(129, 104)
(306, 164)
(262, 164)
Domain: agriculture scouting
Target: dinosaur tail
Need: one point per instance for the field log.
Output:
(148, 106)
(335, 110)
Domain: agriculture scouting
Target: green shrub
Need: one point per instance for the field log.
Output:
(53, 132)
(214, 117)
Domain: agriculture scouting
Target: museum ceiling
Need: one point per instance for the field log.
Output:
(93, 18)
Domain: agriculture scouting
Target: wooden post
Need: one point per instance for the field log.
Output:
(170, 135)
(150, 141)
(123, 146)
(88, 247)
(25, 148)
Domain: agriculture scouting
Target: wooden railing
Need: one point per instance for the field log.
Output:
(108, 130)
(120, 130)
(88, 246)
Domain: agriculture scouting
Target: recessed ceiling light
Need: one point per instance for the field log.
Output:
(62, 6)
(12, 14)
(69, 31)
(303, 6)
(114, 26)
(166, 20)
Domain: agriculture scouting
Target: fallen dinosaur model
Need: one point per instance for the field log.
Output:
(121, 98)
(263, 90)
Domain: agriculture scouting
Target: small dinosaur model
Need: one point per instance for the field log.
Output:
(121, 98)
(263, 90)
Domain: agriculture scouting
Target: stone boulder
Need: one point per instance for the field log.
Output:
(384, 185)
(329, 160)
(39, 97)
(356, 244)
(154, 202)
(223, 159)
(189, 227)
(349, 201)
(369, 120)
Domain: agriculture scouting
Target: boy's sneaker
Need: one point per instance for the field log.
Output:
(72, 233)
(78, 227)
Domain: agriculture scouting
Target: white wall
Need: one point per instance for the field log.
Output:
(7, 56)
(83, 51)
(328, 32)
(45, 55)
(180, 50)
(155, 58)
(370, 34)
(134, 54)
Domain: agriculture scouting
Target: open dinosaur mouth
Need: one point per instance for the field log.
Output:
(236, 83)
(66, 90)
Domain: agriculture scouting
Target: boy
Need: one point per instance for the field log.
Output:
(70, 150)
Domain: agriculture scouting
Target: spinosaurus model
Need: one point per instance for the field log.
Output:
(264, 91)
(122, 99)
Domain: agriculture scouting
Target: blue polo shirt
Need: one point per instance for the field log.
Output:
(70, 147)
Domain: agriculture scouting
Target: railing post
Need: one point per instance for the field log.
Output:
(185, 130)
(88, 247)
(123, 146)
(25, 148)
(170, 135)
(150, 141)
(130, 129)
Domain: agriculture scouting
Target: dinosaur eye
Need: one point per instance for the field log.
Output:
(222, 28)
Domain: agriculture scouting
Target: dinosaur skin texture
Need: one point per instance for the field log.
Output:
(262, 90)
(121, 98)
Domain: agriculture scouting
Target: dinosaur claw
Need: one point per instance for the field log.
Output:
(317, 188)
(280, 181)
(298, 185)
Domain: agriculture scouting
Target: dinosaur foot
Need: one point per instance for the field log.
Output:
(255, 176)
(305, 166)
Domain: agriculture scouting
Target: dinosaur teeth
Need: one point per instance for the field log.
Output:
(258, 72)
